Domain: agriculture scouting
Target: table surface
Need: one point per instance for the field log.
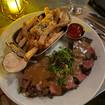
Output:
(33, 6)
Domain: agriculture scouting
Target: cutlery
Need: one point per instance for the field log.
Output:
(96, 24)
(97, 29)
(97, 17)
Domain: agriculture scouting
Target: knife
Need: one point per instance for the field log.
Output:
(96, 24)
(96, 28)
(98, 18)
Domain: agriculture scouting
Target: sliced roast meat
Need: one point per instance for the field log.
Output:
(55, 89)
(91, 53)
(88, 40)
(88, 63)
(76, 81)
(70, 83)
(80, 76)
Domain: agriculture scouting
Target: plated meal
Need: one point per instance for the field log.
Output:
(58, 73)
(51, 54)
(36, 36)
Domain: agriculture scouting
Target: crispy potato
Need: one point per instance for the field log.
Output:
(40, 32)
(53, 38)
(30, 53)
(22, 42)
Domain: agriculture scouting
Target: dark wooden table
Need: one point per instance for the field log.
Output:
(99, 100)
(4, 100)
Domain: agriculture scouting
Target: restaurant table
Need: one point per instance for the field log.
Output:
(37, 6)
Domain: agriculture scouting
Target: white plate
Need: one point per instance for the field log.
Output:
(85, 92)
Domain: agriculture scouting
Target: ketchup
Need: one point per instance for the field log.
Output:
(75, 31)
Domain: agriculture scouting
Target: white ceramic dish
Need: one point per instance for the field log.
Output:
(85, 92)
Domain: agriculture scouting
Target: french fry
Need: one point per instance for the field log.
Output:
(30, 53)
(53, 38)
(37, 31)
(32, 43)
(30, 23)
(47, 10)
(27, 25)
(22, 42)
(23, 33)
(19, 36)
(35, 43)
(42, 39)
(40, 32)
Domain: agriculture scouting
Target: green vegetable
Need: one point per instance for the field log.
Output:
(61, 81)
(61, 64)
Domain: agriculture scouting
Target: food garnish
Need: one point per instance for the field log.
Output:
(61, 64)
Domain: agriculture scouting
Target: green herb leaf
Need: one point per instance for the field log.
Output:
(61, 64)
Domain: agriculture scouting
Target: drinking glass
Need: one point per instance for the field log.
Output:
(13, 9)
(76, 6)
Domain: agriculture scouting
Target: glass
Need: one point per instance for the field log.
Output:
(76, 6)
(13, 8)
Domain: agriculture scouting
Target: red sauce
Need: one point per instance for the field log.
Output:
(75, 31)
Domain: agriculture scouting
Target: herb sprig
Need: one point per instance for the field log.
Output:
(61, 64)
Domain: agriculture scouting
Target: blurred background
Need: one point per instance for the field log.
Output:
(38, 5)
